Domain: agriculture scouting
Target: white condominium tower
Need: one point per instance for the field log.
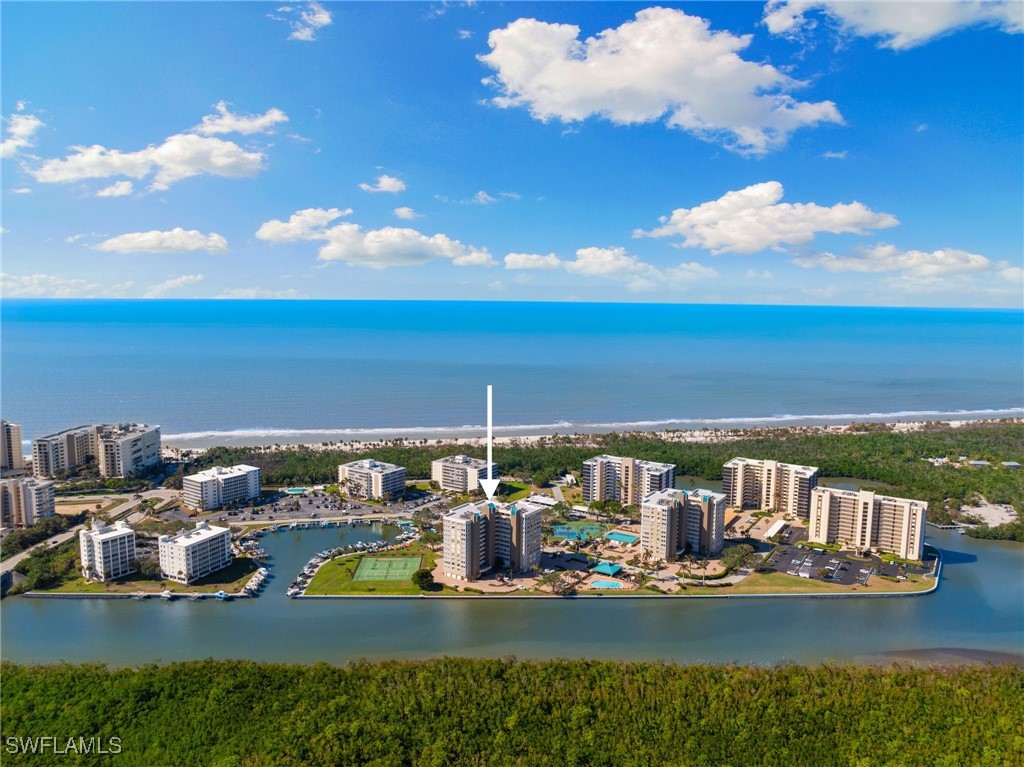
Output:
(25, 500)
(627, 480)
(371, 479)
(480, 536)
(675, 520)
(108, 552)
(118, 450)
(11, 458)
(218, 486)
(863, 520)
(194, 554)
(753, 484)
(460, 473)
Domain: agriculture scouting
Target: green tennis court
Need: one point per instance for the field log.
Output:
(386, 568)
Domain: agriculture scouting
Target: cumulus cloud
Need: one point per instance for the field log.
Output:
(834, 155)
(532, 261)
(481, 198)
(117, 189)
(162, 288)
(899, 25)
(407, 214)
(226, 121)
(251, 293)
(384, 183)
(305, 20)
(465, 34)
(52, 286)
(638, 276)
(752, 219)
(177, 240)
(913, 263)
(179, 157)
(663, 65)
(20, 130)
(376, 248)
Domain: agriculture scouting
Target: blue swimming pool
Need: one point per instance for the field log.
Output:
(606, 585)
(622, 537)
(297, 490)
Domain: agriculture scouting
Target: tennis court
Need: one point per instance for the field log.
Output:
(386, 568)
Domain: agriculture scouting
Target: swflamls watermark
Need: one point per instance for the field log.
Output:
(49, 744)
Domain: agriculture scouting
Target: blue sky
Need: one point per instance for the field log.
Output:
(863, 154)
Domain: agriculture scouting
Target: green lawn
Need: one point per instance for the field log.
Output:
(387, 568)
(514, 490)
(339, 575)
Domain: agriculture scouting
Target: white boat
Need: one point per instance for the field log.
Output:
(167, 594)
(222, 595)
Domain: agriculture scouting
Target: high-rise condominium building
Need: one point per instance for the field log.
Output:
(480, 536)
(863, 520)
(460, 473)
(627, 480)
(117, 450)
(218, 486)
(108, 551)
(672, 521)
(194, 554)
(753, 484)
(371, 479)
(11, 458)
(25, 500)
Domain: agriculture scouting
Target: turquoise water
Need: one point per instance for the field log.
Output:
(287, 371)
(606, 584)
(979, 606)
(622, 537)
(297, 490)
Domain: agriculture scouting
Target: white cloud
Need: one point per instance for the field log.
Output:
(922, 128)
(226, 121)
(162, 288)
(899, 25)
(21, 190)
(377, 248)
(604, 261)
(465, 34)
(496, 285)
(21, 130)
(834, 155)
(665, 64)
(305, 224)
(911, 263)
(179, 157)
(305, 21)
(385, 183)
(251, 293)
(754, 274)
(177, 240)
(532, 261)
(481, 198)
(117, 189)
(51, 286)
(511, 195)
(752, 219)
(407, 214)
(639, 276)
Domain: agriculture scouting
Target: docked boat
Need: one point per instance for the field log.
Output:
(193, 597)
(167, 594)
(222, 596)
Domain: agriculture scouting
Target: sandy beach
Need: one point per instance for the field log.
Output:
(173, 448)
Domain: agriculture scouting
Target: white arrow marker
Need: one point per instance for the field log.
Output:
(490, 485)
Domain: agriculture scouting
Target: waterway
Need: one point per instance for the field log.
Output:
(978, 607)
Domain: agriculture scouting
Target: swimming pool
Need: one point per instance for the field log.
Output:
(622, 537)
(297, 490)
(605, 585)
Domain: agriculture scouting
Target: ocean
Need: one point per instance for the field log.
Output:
(264, 372)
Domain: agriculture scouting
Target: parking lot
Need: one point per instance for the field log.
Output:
(833, 567)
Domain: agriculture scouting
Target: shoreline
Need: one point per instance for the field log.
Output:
(316, 439)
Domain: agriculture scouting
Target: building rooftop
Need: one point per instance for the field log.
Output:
(462, 460)
(670, 495)
(761, 461)
(639, 461)
(122, 430)
(220, 472)
(202, 532)
(372, 465)
(101, 532)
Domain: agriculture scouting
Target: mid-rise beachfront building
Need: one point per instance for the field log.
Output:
(25, 500)
(627, 480)
(371, 479)
(460, 473)
(861, 520)
(118, 450)
(107, 551)
(194, 554)
(754, 484)
(219, 486)
(673, 521)
(484, 535)
(11, 458)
